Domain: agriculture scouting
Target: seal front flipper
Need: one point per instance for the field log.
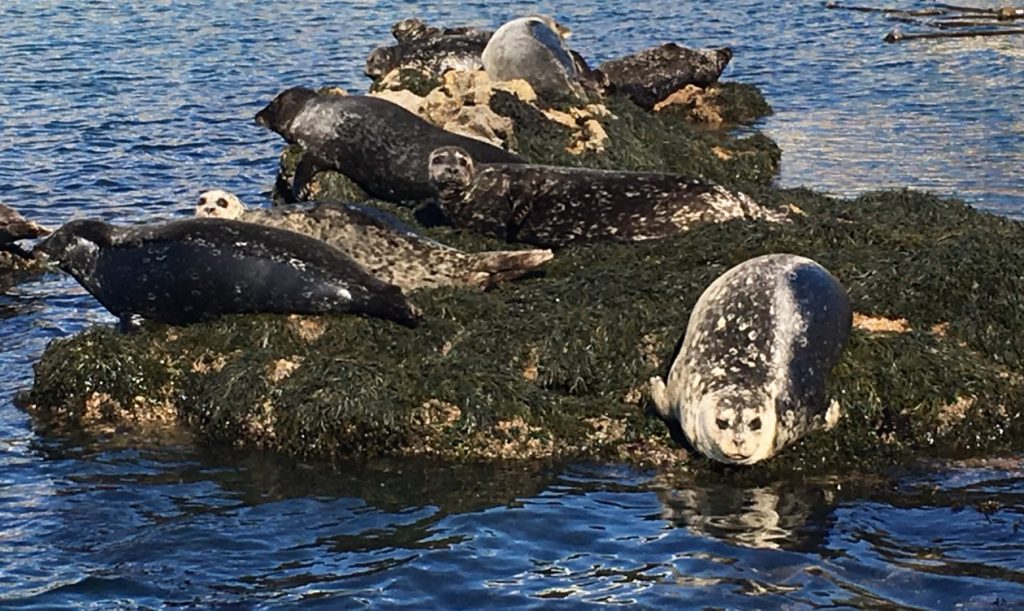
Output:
(306, 169)
(659, 396)
(498, 266)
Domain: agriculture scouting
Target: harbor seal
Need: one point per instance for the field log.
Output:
(554, 206)
(533, 49)
(381, 244)
(193, 270)
(750, 375)
(651, 75)
(381, 146)
(14, 227)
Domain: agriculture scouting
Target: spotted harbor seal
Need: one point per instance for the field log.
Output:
(383, 245)
(554, 206)
(198, 269)
(532, 49)
(14, 227)
(651, 75)
(381, 146)
(761, 341)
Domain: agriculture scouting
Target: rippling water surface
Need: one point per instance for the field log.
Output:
(128, 110)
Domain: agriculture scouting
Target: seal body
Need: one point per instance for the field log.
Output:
(198, 269)
(652, 74)
(383, 245)
(750, 375)
(532, 49)
(14, 227)
(555, 206)
(381, 146)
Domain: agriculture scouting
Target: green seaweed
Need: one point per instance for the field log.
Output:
(556, 366)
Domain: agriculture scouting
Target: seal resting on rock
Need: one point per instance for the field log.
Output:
(554, 205)
(381, 146)
(198, 269)
(14, 227)
(383, 245)
(532, 49)
(651, 75)
(750, 376)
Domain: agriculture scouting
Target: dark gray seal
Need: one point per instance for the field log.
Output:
(761, 341)
(435, 54)
(381, 244)
(199, 269)
(554, 206)
(532, 49)
(381, 146)
(651, 75)
(14, 227)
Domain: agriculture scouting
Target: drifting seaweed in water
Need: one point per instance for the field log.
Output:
(983, 22)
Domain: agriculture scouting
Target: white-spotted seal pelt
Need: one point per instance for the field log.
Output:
(750, 376)
(554, 206)
(387, 248)
(649, 76)
(198, 269)
(14, 227)
(381, 146)
(532, 49)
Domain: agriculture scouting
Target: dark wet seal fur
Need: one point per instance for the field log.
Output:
(381, 146)
(199, 269)
(14, 227)
(751, 374)
(383, 245)
(651, 75)
(554, 206)
(435, 54)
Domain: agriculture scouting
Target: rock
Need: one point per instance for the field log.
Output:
(404, 98)
(694, 104)
(484, 124)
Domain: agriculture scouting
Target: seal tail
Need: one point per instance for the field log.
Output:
(497, 266)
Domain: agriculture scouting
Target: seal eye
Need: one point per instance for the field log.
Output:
(722, 423)
(223, 203)
(755, 424)
(202, 201)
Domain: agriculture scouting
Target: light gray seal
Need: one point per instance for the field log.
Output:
(387, 248)
(554, 206)
(14, 227)
(381, 146)
(532, 49)
(759, 347)
(193, 270)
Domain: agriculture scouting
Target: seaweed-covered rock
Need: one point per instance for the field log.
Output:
(554, 366)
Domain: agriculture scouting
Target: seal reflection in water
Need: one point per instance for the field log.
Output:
(750, 376)
(198, 269)
(383, 245)
(555, 206)
(381, 146)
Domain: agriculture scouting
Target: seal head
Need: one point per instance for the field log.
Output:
(282, 110)
(220, 204)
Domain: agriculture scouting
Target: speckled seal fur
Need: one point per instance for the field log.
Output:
(652, 74)
(198, 269)
(555, 206)
(760, 344)
(384, 246)
(14, 227)
(532, 49)
(379, 145)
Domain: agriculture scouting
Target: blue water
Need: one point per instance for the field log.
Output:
(128, 110)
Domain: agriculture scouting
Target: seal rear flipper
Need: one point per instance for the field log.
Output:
(502, 265)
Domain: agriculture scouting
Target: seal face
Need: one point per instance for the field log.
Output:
(198, 269)
(381, 146)
(761, 341)
(532, 49)
(554, 205)
(14, 227)
(383, 245)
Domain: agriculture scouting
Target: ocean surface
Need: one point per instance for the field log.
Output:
(128, 110)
